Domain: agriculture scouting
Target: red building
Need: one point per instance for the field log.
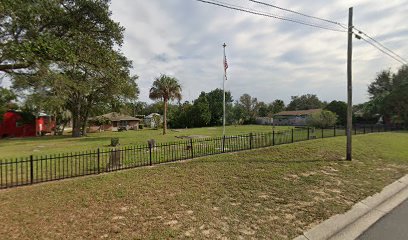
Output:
(21, 124)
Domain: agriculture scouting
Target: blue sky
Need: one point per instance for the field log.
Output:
(268, 58)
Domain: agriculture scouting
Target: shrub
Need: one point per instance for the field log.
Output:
(114, 142)
(322, 119)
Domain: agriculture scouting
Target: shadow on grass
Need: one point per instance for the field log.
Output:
(94, 139)
(42, 138)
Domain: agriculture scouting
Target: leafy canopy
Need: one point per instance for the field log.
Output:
(340, 109)
(388, 96)
(39, 32)
(305, 102)
(322, 119)
(66, 54)
(165, 88)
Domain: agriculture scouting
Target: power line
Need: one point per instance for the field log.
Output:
(372, 44)
(390, 53)
(299, 13)
(255, 12)
(380, 44)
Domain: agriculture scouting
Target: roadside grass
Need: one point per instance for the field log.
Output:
(271, 193)
(22, 147)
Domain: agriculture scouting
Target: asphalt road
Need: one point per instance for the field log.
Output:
(393, 226)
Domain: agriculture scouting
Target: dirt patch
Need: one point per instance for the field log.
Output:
(308, 174)
(192, 137)
(171, 223)
(291, 177)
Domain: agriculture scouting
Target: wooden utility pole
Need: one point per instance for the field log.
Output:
(349, 84)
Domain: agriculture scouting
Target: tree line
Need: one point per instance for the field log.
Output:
(207, 109)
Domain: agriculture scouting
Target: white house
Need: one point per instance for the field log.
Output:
(150, 122)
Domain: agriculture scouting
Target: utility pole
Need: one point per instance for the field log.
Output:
(349, 84)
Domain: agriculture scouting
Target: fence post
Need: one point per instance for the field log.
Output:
(250, 140)
(191, 147)
(150, 154)
(273, 138)
(292, 136)
(223, 144)
(364, 130)
(31, 169)
(308, 133)
(99, 161)
(355, 130)
(322, 132)
(334, 131)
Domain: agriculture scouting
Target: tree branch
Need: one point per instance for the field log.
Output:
(15, 66)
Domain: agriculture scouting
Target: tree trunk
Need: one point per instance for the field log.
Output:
(84, 123)
(76, 130)
(76, 120)
(63, 128)
(83, 128)
(56, 125)
(165, 117)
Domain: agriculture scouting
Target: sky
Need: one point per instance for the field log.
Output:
(268, 58)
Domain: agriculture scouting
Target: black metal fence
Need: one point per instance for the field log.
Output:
(37, 169)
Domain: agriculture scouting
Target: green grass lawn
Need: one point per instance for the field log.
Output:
(22, 147)
(271, 193)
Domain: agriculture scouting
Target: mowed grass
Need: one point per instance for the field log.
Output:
(22, 147)
(271, 193)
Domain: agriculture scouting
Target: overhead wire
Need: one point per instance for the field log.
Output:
(299, 13)
(381, 45)
(376, 43)
(383, 51)
(256, 12)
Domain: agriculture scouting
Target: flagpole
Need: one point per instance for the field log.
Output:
(223, 91)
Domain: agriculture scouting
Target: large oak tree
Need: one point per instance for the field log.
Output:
(69, 51)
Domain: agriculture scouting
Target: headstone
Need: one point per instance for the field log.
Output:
(151, 143)
(114, 159)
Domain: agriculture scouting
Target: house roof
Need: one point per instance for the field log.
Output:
(152, 115)
(114, 116)
(298, 113)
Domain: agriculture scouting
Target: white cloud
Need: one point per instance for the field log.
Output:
(268, 58)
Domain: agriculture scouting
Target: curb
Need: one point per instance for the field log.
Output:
(361, 216)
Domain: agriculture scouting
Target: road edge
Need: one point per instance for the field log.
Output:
(361, 216)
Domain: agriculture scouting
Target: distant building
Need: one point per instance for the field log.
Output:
(24, 124)
(264, 121)
(113, 122)
(150, 122)
(293, 118)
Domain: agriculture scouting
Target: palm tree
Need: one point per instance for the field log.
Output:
(165, 88)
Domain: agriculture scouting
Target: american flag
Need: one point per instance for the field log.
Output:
(225, 64)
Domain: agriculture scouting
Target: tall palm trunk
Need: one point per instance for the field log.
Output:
(165, 117)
